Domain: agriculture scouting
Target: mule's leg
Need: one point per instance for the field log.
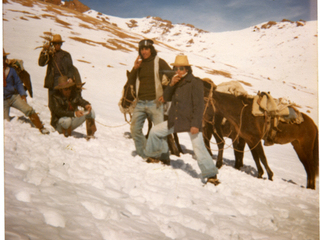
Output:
(238, 146)
(306, 160)
(263, 159)
(172, 146)
(176, 139)
(217, 133)
(207, 135)
(255, 154)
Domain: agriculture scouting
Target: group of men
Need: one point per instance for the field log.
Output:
(185, 92)
(68, 109)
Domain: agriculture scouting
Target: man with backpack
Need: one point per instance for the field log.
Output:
(14, 95)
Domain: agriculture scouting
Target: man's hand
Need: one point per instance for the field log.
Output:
(79, 113)
(174, 80)
(24, 98)
(88, 108)
(194, 130)
(137, 63)
(161, 99)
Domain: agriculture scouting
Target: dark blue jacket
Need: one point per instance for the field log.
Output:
(14, 85)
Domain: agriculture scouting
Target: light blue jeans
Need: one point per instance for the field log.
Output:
(16, 102)
(157, 145)
(74, 122)
(143, 110)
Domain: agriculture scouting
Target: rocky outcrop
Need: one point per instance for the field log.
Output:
(73, 4)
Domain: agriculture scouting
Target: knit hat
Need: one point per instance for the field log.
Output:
(145, 43)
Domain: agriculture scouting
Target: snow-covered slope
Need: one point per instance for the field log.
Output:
(68, 188)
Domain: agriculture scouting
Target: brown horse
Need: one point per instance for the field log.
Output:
(213, 125)
(126, 105)
(303, 136)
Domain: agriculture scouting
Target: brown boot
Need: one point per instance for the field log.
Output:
(66, 132)
(91, 128)
(214, 180)
(37, 123)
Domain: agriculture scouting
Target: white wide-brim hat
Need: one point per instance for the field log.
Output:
(181, 61)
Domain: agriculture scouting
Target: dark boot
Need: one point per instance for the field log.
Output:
(91, 128)
(66, 132)
(37, 123)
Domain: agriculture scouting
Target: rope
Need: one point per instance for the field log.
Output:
(111, 126)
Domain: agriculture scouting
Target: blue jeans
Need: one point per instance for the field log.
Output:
(73, 122)
(143, 110)
(157, 145)
(16, 102)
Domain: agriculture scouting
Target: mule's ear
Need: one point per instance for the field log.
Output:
(214, 86)
(128, 73)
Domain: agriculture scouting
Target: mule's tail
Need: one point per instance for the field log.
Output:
(316, 154)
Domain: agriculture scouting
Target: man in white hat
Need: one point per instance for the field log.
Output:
(14, 96)
(58, 62)
(146, 76)
(185, 115)
(66, 115)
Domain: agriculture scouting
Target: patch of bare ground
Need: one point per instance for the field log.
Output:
(99, 25)
(109, 66)
(63, 23)
(230, 66)
(123, 64)
(268, 24)
(47, 16)
(23, 18)
(75, 33)
(26, 14)
(26, 3)
(218, 72)
(113, 44)
(34, 17)
(132, 23)
(85, 26)
(80, 60)
(245, 83)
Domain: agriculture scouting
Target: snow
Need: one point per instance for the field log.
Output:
(70, 188)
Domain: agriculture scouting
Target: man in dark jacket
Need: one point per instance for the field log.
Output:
(66, 115)
(14, 95)
(59, 63)
(146, 76)
(185, 115)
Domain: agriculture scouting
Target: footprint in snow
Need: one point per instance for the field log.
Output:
(54, 219)
(23, 196)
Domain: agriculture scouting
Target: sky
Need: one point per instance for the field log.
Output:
(210, 15)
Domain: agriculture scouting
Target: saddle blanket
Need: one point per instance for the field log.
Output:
(232, 87)
(275, 107)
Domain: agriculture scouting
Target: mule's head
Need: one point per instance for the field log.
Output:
(128, 94)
